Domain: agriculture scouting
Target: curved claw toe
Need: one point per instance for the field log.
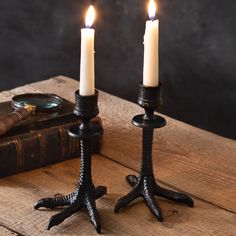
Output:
(55, 220)
(97, 227)
(132, 180)
(60, 217)
(189, 201)
(100, 191)
(153, 205)
(39, 204)
(124, 201)
(53, 202)
(93, 214)
(183, 198)
(119, 205)
(174, 196)
(45, 202)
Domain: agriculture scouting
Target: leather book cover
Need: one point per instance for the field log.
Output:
(40, 140)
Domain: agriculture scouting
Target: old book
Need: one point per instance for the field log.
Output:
(40, 140)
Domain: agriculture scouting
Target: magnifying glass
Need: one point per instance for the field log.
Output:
(29, 104)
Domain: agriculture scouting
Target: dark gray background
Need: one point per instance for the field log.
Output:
(41, 38)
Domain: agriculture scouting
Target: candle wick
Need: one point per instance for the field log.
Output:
(152, 18)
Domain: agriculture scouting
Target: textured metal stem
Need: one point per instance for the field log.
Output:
(85, 164)
(147, 168)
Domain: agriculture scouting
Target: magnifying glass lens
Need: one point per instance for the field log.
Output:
(42, 102)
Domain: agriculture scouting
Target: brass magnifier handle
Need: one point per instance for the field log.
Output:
(9, 121)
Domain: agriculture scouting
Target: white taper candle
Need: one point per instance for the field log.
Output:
(151, 49)
(87, 80)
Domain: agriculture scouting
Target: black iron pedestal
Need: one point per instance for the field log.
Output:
(145, 185)
(85, 193)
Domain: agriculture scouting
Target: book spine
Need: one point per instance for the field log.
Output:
(41, 148)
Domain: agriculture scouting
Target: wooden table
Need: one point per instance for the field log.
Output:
(194, 161)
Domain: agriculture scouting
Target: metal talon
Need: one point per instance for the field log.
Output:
(132, 180)
(145, 185)
(153, 205)
(93, 214)
(52, 203)
(60, 217)
(100, 191)
(174, 196)
(85, 193)
(124, 201)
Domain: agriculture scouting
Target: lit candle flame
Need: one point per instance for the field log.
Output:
(90, 17)
(152, 8)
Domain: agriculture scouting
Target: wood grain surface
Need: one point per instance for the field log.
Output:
(185, 158)
(18, 193)
(7, 232)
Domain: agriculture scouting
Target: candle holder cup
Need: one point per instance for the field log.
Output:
(145, 185)
(85, 192)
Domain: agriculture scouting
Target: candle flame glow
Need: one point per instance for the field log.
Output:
(152, 8)
(90, 17)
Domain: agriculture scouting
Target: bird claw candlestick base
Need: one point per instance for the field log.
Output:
(85, 193)
(145, 185)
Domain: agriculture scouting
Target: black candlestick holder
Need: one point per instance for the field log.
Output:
(85, 192)
(145, 185)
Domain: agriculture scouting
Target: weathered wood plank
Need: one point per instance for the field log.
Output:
(18, 193)
(7, 232)
(193, 160)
